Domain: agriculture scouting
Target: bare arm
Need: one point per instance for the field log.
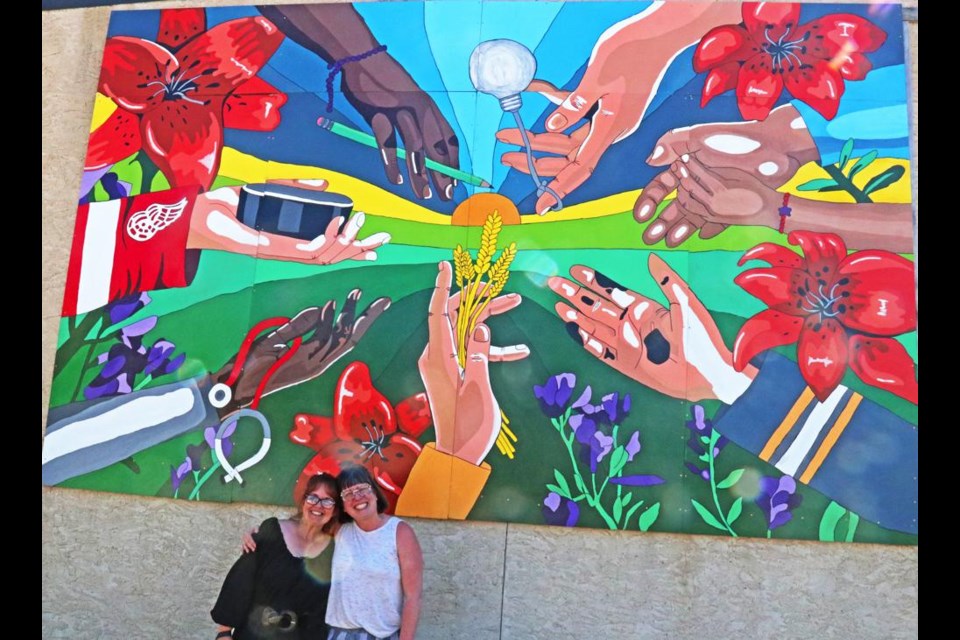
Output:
(411, 579)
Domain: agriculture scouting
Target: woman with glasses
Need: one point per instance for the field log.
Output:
(280, 592)
(377, 569)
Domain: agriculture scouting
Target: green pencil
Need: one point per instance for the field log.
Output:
(366, 139)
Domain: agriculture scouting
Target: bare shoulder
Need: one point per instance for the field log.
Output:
(406, 538)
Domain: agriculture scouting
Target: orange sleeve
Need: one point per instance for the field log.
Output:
(442, 486)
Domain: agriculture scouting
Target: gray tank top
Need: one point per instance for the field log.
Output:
(365, 591)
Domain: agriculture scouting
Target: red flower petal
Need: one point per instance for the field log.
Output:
(853, 66)
(185, 141)
(881, 296)
(254, 106)
(774, 254)
(777, 16)
(822, 355)
(413, 415)
(823, 251)
(767, 329)
(117, 138)
(884, 363)
(776, 287)
(758, 88)
(360, 411)
(719, 80)
(312, 431)
(819, 86)
(845, 32)
(178, 26)
(134, 72)
(720, 45)
(223, 57)
(319, 463)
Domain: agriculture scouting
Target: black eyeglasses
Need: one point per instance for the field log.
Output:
(313, 500)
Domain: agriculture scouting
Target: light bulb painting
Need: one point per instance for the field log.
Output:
(617, 265)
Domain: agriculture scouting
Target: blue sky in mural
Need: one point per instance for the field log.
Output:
(433, 42)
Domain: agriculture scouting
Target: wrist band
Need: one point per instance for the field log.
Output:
(784, 212)
(337, 65)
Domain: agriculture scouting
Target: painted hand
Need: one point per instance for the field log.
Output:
(390, 101)
(762, 154)
(326, 337)
(466, 414)
(676, 350)
(214, 225)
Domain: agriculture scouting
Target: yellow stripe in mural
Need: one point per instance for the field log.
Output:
(788, 423)
(835, 432)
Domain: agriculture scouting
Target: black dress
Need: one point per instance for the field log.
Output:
(263, 586)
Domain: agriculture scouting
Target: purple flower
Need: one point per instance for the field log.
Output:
(700, 427)
(555, 394)
(560, 511)
(179, 473)
(778, 497)
(611, 409)
(639, 480)
(121, 309)
(159, 361)
(633, 446)
(210, 436)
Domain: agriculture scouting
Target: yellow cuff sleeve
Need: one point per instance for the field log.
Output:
(442, 486)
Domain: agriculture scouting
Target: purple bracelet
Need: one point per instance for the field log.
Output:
(337, 65)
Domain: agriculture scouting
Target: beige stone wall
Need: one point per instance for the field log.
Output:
(116, 566)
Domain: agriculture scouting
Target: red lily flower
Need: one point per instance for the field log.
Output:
(770, 51)
(841, 309)
(175, 96)
(367, 430)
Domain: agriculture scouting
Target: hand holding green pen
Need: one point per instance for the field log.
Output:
(368, 140)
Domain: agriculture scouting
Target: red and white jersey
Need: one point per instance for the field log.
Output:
(126, 246)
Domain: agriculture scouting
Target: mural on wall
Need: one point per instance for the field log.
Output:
(634, 266)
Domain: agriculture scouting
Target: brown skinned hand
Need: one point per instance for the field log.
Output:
(326, 337)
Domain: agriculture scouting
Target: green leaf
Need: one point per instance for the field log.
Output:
(731, 479)
(648, 517)
(557, 490)
(562, 483)
(625, 500)
(582, 487)
(817, 184)
(631, 511)
(884, 179)
(829, 520)
(708, 517)
(854, 520)
(862, 163)
(735, 509)
(705, 457)
(845, 154)
(835, 187)
(617, 511)
(618, 460)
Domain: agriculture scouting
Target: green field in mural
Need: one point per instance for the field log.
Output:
(616, 265)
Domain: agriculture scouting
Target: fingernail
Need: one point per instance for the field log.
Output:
(370, 256)
(313, 183)
(440, 265)
(448, 192)
(644, 210)
(556, 121)
(685, 157)
(399, 179)
(455, 182)
(656, 229)
(427, 193)
(684, 172)
(573, 330)
(481, 333)
(681, 232)
(657, 152)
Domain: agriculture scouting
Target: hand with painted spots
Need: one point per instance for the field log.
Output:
(760, 156)
(214, 225)
(676, 350)
(622, 75)
(466, 414)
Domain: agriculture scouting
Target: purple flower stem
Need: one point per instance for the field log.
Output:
(195, 494)
(88, 359)
(144, 382)
(594, 500)
(711, 448)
